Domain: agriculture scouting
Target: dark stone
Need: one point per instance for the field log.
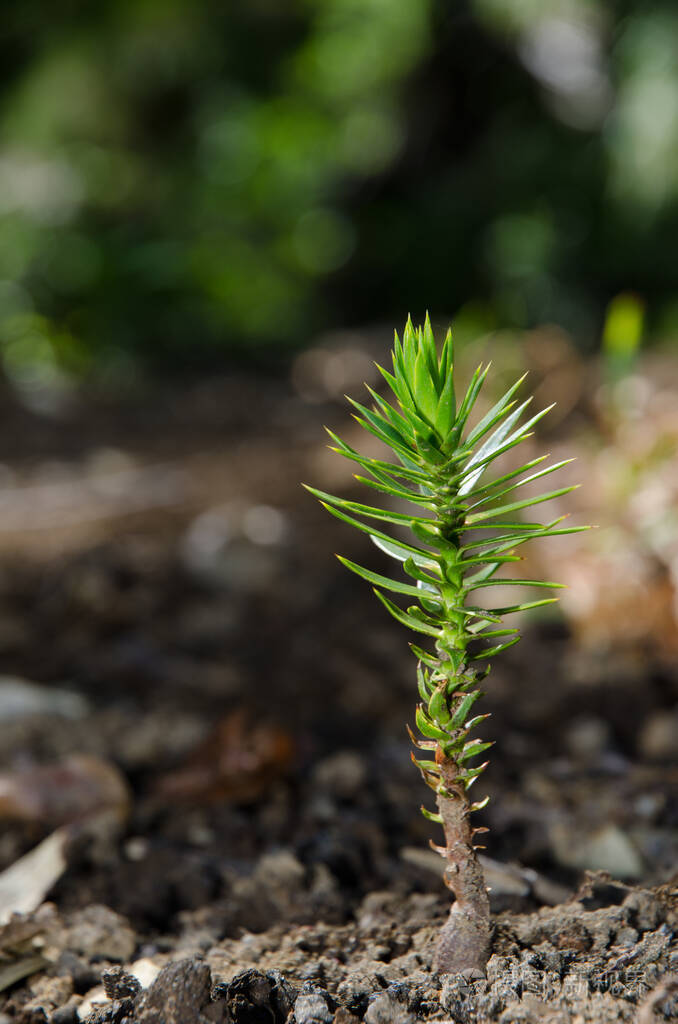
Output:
(177, 996)
(120, 1011)
(65, 1015)
(255, 998)
(120, 984)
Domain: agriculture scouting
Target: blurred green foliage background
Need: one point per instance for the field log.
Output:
(186, 180)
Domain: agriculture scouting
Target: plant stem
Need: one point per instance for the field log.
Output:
(464, 940)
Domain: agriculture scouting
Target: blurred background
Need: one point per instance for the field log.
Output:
(186, 184)
(212, 216)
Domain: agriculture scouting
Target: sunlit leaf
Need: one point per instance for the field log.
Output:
(396, 492)
(490, 448)
(515, 506)
(380, 581)
(430, 816)
(495, 413)
(459, 716)
(403, 552)
(473, 749)
(468, 402)
(426, 727)
(519, 483)
(490, 653)
(407, 620)
(383, 514)
(424, 388)
(511, 583)
(437, 707)
(445, 410)
(447, 357)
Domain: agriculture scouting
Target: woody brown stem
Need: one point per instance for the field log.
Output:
(464, 940)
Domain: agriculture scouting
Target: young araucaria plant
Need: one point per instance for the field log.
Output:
(462, 532)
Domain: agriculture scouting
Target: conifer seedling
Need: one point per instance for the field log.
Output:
(465, 526)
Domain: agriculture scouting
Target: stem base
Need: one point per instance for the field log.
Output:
(464, 941)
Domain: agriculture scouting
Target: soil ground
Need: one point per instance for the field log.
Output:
(202, 720)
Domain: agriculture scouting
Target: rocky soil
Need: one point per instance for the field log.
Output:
(207, 807)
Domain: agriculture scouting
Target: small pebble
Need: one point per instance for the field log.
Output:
(312, 1006)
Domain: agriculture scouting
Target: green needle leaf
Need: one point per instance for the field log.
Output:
(407, 620)
(424, 389)
(423, 683)
(399, 422)
(380, 581)
(519, 483)
(417, 475)
(409, 348)
(384, 514)
(405, 553)
(417, 573)
(473, 749)
(437, 707)
(444, 414)
(396, 492)
(495, 413)
(447, 357)
(425, 657)
(525, 606)
(430, 816)
(426, 726)
(515, 506)
(495, 650)
(428, 345)
(364, 528)
(468, 402)
(513, 583)
(490, 448)
(459, 716)
(380, 427)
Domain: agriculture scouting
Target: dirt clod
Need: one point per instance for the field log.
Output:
(312, 1006)
(253, 997)
(120, 984)
(390, 1007)
(97, 932)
